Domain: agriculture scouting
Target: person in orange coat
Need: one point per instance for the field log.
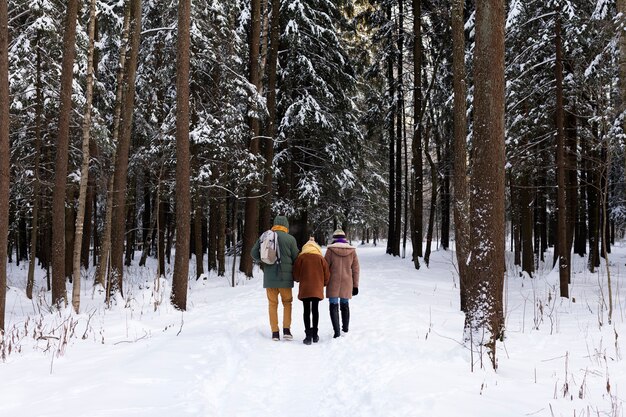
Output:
(311, 271)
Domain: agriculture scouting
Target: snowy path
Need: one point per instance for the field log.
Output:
(402, 357)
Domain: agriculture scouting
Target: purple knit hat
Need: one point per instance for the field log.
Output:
(339, 236)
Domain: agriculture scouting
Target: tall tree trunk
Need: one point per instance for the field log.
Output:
(445, 194)
(580, 241)
(418, 187)
(485, 317)
(183, 197)
(571, 176)
(150, 229)
(197, 229)
(22, 237)
(88, 223)
(213, 231)
(407, 187)
(252, 200)
(5, 156)
(147, 213)
(266, 207)
(221, 235)
(526, 225)
(84, 170)
(70, 230)
(59, 295)
(392, 159)
(131, 208)
(96, 235)
(30, 282)
(161, 227)
(433, 198)
(621, 10)
(516, 236)
(120, 176)
(399, 126)
(563, 252)
(461, 195)
(105, 248)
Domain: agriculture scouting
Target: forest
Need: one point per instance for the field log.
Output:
(175, 131)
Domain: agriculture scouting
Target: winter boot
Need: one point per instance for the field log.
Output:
(345, 317)
(307, 339)
(287, 334)
(275, 336)
(314, 335)
(334, 318)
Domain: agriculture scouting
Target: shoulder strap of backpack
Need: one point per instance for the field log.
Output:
(277, 247)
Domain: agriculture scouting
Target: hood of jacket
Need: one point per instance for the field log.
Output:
(311, 247)
(281, 221)
(341, 249)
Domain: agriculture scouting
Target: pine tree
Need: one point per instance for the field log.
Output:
(61, 162)
(319, 120)
(183, 200)
(484, 317)
(5, 157)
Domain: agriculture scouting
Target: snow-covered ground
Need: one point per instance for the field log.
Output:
(403, 356)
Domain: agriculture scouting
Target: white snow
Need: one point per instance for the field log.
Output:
(403, 356)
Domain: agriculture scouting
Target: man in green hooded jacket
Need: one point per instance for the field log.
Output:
(277, 278)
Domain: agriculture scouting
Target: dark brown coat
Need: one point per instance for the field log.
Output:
(311, 271)
(344, 270)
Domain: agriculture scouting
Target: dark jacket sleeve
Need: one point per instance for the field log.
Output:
(297, 267)
(294, 250)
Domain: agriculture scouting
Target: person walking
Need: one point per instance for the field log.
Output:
(311, 271)
(277, 277)
(344, 279)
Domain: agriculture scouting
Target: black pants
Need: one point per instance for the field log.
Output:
(311, 306)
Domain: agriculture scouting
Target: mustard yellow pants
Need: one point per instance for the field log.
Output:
(286, 297)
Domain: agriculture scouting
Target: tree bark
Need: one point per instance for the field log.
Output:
(183, 196)
(5, 156)
(461, 195)
(265, 219)
(197, 229)
(418, 188)
(130, 235)
(161, 227)
(59, 295)
(120, 176)
(221, 235)
(213, 231)
(580, 241)
(433, 199)
(391, 122)
(252, 201)
(399, 128)
(621, 9)
(30, 282)
(563, 250)
(105, 248)
(485, 317)
(445, 196)
(84, 170)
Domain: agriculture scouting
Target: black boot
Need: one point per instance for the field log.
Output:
(345, 317)
(307, 339)
(334, 318)
(314, 335)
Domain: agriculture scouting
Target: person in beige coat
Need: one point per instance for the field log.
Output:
(344, 279)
